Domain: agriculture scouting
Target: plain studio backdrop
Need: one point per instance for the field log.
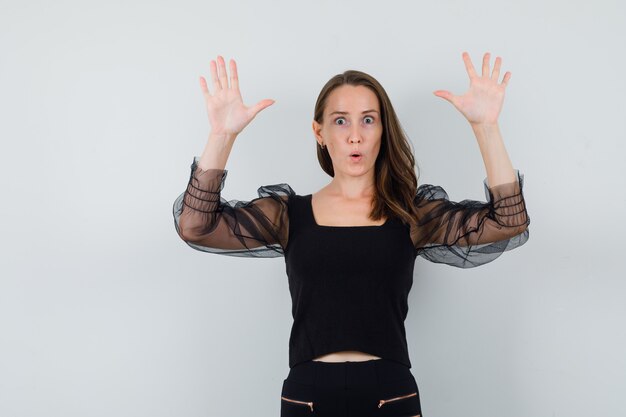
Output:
(105, 311)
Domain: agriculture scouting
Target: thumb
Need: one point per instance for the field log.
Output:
(444, 94)
(262, 105)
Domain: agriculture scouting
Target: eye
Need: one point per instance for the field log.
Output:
(340, 118)
(371, 118)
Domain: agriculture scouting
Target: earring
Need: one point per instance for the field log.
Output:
(322, 145)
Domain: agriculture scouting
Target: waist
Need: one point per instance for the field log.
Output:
(349, 374)
(346, 356)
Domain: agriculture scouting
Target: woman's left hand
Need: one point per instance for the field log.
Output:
(482, 103)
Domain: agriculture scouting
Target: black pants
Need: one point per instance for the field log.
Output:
(377, 387)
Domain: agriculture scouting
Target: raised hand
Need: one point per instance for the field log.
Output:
(227, 113)
(482, 103)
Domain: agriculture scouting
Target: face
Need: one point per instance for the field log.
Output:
(352, 124)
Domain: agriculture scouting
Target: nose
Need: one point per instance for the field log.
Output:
(355, 136)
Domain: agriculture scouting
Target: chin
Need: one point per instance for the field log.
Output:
(358, 171)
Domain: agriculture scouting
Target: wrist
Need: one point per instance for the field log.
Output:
(222, 136)
(483, 131)
(484, 125)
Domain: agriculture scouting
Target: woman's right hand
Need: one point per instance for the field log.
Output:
(227, 113)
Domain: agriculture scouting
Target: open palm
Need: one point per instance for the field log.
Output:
(483, 101)
(225, 108)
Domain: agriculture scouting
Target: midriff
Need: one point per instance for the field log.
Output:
(346, 355)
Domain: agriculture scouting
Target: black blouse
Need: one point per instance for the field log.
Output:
(349, 284)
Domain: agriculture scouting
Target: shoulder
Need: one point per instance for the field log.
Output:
(281, 193)
(276, 190)
(430, 192)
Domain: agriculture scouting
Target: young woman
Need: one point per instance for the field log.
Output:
(350, 248)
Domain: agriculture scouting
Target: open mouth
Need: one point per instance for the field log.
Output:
(355, 156)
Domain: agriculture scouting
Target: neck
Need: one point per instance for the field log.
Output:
(352, 187)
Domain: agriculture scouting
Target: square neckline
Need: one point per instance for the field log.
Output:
(312, 215)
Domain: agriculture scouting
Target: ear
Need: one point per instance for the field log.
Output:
(317, 131)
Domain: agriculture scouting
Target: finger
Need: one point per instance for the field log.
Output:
(486, 64)
(496, 69)
(506, 78)
(468, 65)
(222, 71)
(216, 82)
(203, 86)
(261, 105)
(444, 94)
(234, 77)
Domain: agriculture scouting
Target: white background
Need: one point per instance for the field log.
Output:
(104, 311)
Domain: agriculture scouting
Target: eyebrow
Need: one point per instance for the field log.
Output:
(363, 112)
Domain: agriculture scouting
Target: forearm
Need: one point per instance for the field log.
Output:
(497, 163)
(216, 151)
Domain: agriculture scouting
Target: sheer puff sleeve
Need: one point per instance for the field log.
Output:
(470, 233)
(209, 223)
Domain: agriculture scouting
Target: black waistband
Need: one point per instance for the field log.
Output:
(349, 373)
